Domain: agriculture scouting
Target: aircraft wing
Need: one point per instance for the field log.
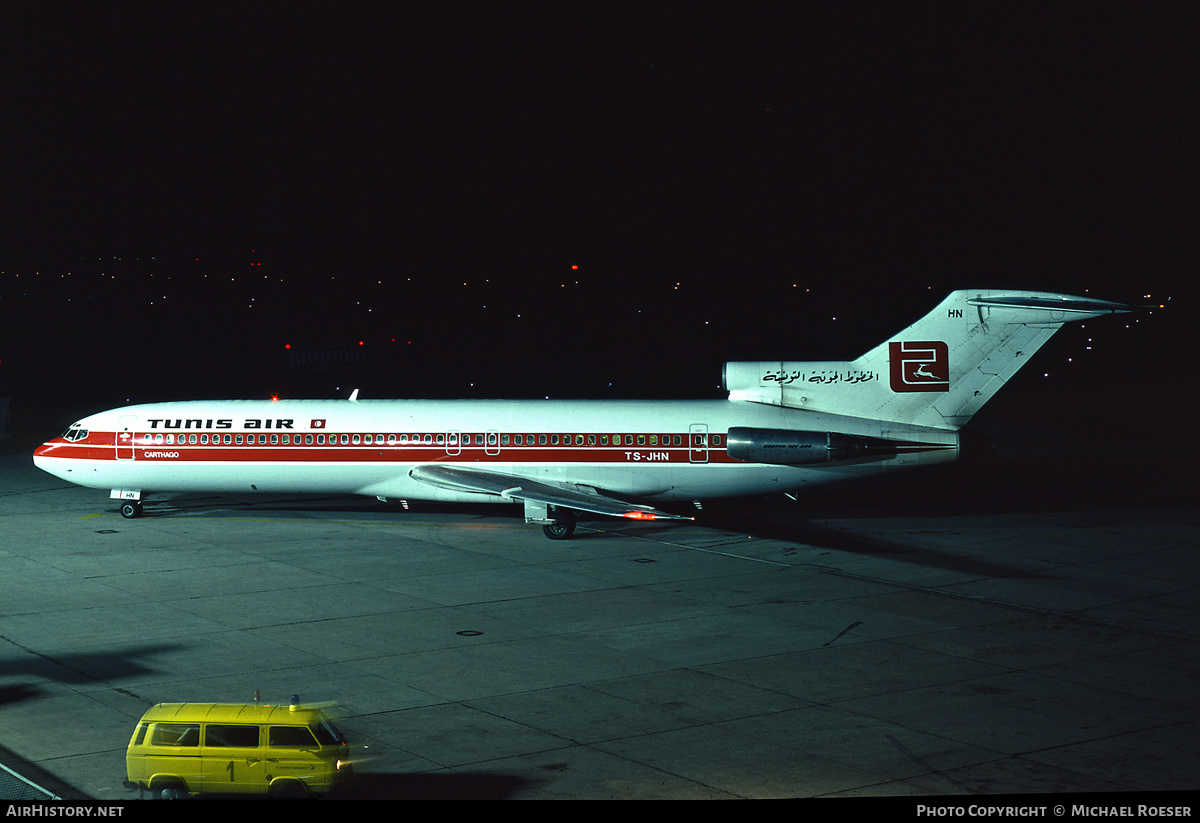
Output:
(515, 488)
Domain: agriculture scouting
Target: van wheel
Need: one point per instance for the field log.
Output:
(288, 790)
(167, 789)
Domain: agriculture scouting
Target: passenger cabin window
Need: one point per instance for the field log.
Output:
(231, 736)
(175, 734)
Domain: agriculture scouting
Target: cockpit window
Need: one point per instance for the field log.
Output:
(75, 434)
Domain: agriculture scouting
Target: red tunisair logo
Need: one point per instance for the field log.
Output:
(919, 366)
(317, 424)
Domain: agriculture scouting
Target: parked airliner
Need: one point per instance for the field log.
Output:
(785, 425)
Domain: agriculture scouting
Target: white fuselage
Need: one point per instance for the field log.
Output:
(650, 450)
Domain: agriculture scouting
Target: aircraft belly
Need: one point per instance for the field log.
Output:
(189, 476)
(746, 480)
(674, 482)
(643, 482)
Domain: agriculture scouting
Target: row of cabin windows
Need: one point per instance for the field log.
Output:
(228, 735)
(451, 438)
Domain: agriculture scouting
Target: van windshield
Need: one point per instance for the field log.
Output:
(327, 733)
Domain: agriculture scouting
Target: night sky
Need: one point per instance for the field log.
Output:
(575, 200)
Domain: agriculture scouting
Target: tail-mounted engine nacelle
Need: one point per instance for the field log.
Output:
(787, 447)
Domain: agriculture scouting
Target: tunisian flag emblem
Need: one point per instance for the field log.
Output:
(317, 424)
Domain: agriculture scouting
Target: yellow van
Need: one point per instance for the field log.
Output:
(236, 748)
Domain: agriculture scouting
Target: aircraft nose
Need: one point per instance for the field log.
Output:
(47, 449)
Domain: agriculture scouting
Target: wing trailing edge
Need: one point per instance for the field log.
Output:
(515, 488)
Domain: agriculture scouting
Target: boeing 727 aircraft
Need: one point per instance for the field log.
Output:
(786, 425)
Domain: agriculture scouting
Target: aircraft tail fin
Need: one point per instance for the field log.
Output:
(937, 372)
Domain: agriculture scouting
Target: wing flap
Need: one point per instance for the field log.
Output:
(515, 488)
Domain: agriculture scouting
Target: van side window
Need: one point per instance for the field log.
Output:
(242, 736)
(141, 733)
(292, 737)
(175, 734)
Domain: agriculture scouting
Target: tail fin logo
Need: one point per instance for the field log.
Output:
(919, 366)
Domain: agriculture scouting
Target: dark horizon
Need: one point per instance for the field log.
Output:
(576, 203)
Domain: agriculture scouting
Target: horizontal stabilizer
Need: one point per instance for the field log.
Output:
(1048, 310)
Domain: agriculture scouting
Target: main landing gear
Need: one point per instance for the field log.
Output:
(563, 525)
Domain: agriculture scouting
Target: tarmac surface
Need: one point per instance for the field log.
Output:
(1028, 623)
